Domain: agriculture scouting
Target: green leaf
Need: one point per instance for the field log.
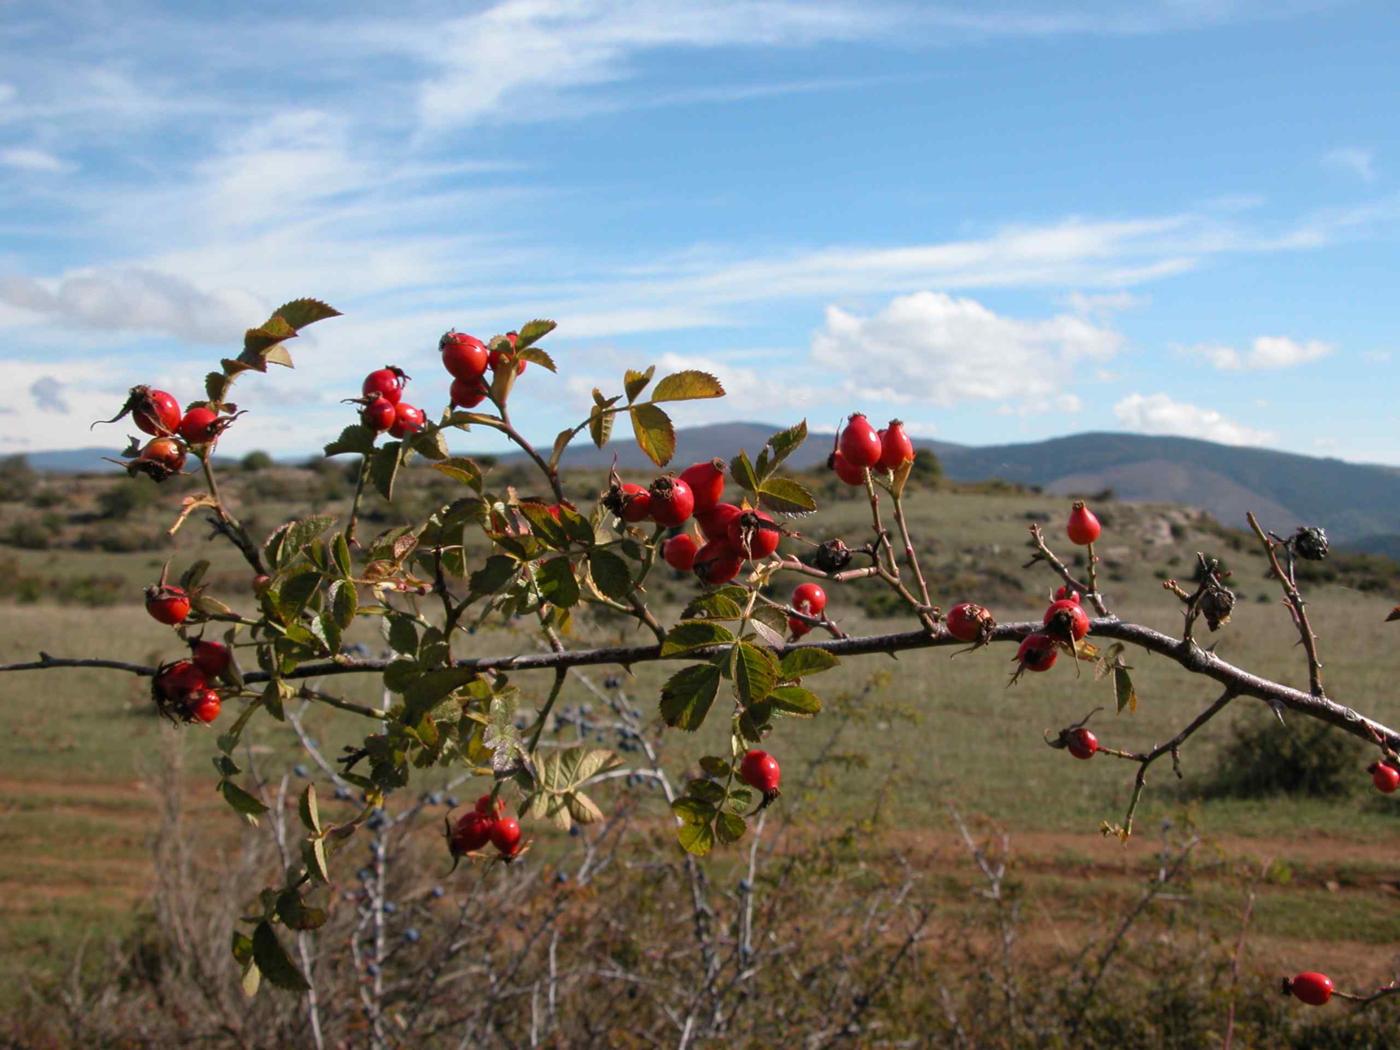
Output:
(786, 497)
(343, 603)
(274, 962)
(299, 313)
(294, 912)
(543, 525)
(654, 432)
(384, 468)
(729, 827)
(431, 688)
(241, 801)
(300, 534)
(297, 591)
(697, 839)
(600, 424)
(430, 443)
(754, 671)
(492, 575)
(578, 528)
(313, 855)
(687, 386)
(340, 551)
(804, 661)
(635, 382)
(688, 694)
(785, 443)
(354, 438)
(741, 470)
(533, 332)
(717, 605)
(558, 584)
(538, 356)
(694, 634)
(1123, 689)
(693, 810)
(794, 700)
(610, 574)
(715, 766)
(402, 634)
(308, 809)
(462, 469)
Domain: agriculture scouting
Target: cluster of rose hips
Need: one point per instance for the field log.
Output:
(467, 358)
(729, 534)
(173, 433)
(486, 823)
(182, 689)
(860, 447)
(384, 406)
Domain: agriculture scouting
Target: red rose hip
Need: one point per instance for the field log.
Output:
(471, 832)
(505, 836)
(860, 443)
(846, 470)
(760, 771)
(211, 657)
(1066, 620)
(895, 447)
(706, 481)
(205, 708)
(1386, 777)
(1311, 987)
(809, 598)
(167, 605)
(754, 534)
(1037, 652)
(408, 419)
(464, 356)
(714, 522)
(716, 562)
(1081, 743)
(200, 426)
(969, 622)
(679, 552)
(154, 411)
(671, 501)
(467, 393)
(1082, 528)
(379, 415)
(387, 382)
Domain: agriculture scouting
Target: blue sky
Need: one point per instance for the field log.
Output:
(999, 222)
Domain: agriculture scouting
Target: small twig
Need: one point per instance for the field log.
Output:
(1295, 602)
(1044, 553)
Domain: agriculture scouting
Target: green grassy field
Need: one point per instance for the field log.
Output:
(80, 760)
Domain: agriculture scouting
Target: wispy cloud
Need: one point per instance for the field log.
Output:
(1160, 414)
(1266, 353)
(1353, 160)
(28, 158)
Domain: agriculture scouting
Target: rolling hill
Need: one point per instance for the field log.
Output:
(1358, 504)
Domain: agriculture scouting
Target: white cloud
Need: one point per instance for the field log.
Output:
(25, 158)
(1354, 160)
(1266, 353)
(137, 300)
(1159, 414)
(1104, 304)
(937, 349)
(524, 59)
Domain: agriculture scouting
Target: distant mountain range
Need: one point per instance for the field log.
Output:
(1358, 504)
